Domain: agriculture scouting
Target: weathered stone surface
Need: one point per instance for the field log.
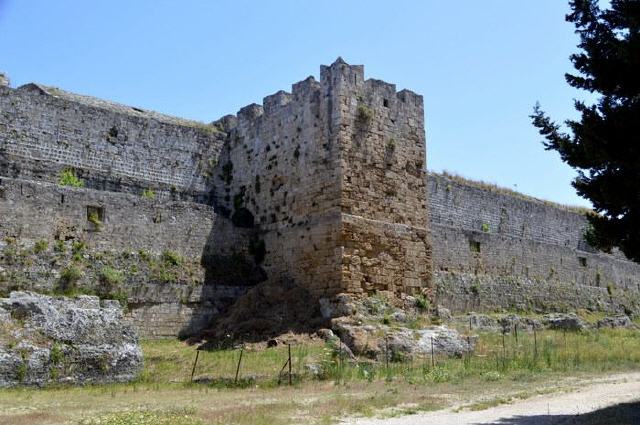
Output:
(495, 249)
(568, 321)
(443, 314)
(338, 306)
(402, 343)
(513, 322)
(57, 339)
(615, 322)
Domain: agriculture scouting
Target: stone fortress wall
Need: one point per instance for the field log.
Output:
(325, 186)
(497, 249)
(119, 152)
(112, 147)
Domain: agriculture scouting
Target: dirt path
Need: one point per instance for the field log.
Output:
(588, 405)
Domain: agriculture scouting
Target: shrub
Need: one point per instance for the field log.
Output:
(56, 355)
(68, 178)
(94, 218)
(110, 277)
(78, 247)
(365, 114)
(68, 279)
(40, 246)
(172, 258)
(391, 145)
(423, 303)
(59, 246)
(148, 194)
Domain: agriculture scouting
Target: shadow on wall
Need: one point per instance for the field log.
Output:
(621, 414)
(238, 301)
(229, 272)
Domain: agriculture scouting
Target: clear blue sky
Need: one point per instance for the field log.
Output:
(481, 65)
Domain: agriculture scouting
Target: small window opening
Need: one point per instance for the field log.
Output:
(385, 103)
(474, 246)
(583, 261)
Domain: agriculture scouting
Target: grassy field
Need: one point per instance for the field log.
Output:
(495, 373)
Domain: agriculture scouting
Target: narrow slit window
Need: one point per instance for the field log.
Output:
(474, 246)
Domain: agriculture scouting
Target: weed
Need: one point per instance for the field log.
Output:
(391, 145)
(148, 194)
(22, 371)
(172, 258)
(68, 178)
(423, 303)
(78, 247)
(59, 246)
(610, 288)
(68, 279)
(94, 219)
(364, 114)
(40, 246)
(110, 280)
(485, 227)
(55, 354)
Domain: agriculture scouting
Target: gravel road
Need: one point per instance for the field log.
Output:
(591, 404)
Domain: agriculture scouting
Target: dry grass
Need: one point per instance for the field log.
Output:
(163, 395)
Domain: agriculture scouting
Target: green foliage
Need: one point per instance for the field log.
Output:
(40, 246)
(364, 114)
(423, 303)
(68, 178)
(94, 219)
(391, 145)
(59, 246)
(110, 278)
(610, 289)
(144, 255)
(78, 247)
(485, 227)
(603, 144)
(119, 295)
(148, 194)
(22, 371)
(56, 355)
(172, 258)
(68, 279)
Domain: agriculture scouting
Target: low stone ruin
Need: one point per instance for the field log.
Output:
(46, 340)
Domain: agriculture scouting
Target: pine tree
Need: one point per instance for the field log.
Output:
(604, 145)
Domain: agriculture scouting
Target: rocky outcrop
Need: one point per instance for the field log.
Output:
(614, 322)
(567, 321)
(80, 340)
